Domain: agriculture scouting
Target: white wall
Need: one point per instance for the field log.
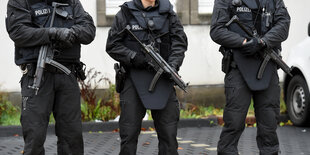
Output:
(9, 72)
(202, 61)
(300, 18)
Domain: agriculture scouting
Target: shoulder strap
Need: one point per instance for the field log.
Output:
(257, 17)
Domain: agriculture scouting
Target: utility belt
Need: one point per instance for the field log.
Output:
(227, 60)
(55, 70)
(31, 67)
(77, 69)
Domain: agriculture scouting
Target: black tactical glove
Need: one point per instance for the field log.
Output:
(64, 37)
(251, 47)
(139, 61)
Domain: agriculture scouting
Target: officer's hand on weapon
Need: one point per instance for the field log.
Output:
(64, 37)
(251, 47)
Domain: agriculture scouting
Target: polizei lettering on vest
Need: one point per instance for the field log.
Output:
(243, 9)
(42, 12)
(136, 27)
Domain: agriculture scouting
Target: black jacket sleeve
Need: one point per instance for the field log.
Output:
(20, 28)
(178, 42)
(219, 32)
(114, 46)
(84, 25)
(25, 34)
(281, 23)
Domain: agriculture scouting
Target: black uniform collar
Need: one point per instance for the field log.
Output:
(251, 4)
(163, 5)
(139, 5)
(49, 2)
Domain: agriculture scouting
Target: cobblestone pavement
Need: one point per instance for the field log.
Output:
(192, 141)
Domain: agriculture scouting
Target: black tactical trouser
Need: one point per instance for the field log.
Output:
(60, 94)
(267, 109)
(132, 113)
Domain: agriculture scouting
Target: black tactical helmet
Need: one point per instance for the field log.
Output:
(236, 2)
(59, 1)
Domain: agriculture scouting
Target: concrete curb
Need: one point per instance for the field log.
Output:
(6, 131)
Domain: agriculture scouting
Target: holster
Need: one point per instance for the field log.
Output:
(226, 60)
(119, 77)
(80, 71)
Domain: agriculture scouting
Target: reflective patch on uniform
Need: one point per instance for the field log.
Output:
(136, 27)
(25, 99)
(41, 12)
(243, 9)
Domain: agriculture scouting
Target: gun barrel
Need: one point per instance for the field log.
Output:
(277, 59)
(181, 84)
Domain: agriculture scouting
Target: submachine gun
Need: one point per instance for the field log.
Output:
(46, 55)
(161, 65)
(267, 54)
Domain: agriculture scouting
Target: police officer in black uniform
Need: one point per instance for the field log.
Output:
(28, 24)
(153, 22)
(268, 21)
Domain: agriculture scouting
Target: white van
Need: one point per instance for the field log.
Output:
(296, 88)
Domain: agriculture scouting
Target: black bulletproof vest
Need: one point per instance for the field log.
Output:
(254, 22)
(159, 33)
(246, 16)
(254, 14)
(41, 14)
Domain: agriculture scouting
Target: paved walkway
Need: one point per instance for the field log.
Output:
(192, 141)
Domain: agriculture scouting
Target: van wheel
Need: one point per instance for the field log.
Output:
(298, 101)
